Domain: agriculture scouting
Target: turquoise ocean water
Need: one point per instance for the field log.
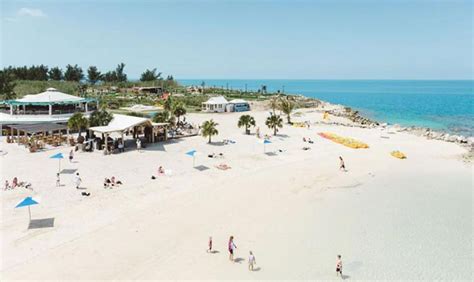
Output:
(445, 105)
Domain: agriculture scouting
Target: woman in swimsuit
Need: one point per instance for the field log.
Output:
(339, 266)
(342, 166)
(231, 247)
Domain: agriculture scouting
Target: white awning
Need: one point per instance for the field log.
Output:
(51, 95)
(120, 123)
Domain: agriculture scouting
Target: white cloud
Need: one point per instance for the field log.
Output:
(31, 12)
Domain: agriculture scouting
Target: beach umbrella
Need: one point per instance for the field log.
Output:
(265, 142)
(192, 153)
(58, 156)
(27, 202)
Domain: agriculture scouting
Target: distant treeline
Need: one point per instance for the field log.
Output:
(75, 73)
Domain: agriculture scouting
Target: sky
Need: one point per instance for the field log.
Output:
(365, 39)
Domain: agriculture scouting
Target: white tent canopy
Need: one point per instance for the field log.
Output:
(51, 95)
(120, 123)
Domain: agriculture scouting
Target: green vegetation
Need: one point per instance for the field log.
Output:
(78, 122)
(7, 86)
(274, 122)
(100, 118)
(246, 121)
(150, 75)
(93, 75)
(72, 73)
(209, 129)
(287, 106)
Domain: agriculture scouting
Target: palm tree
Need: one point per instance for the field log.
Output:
(209, 129)
(246, 121)
(164, 116)
(100, 118)
(179, 110)
(287, 106)
(274, 103)
(274, 122)
(77, 122)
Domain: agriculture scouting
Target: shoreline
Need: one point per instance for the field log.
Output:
(364, 122)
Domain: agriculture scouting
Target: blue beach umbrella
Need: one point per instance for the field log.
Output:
(265, 142)
(27, 202)
(58, 156)
(192, 153)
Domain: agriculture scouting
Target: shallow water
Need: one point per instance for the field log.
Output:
(445, 105)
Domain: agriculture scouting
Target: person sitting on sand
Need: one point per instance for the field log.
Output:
(161, 170)
(252, 261)
(231, 247)
(304, 139)
(115, 182)
(14, 182)
(107, 183)
(339, 266)
(310, 141)
(58, 180)
(342, 166)
(7, 185)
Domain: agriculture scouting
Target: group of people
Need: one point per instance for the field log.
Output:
(16, 183)
(112, 182)
(231, 248)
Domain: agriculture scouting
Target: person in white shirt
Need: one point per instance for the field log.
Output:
(139, 145)
(77, 180)
(252, 261)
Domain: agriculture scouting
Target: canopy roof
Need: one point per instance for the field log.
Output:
(49, 97)
(238, 101)
(121, 123)
(216, 100)
(38, 127)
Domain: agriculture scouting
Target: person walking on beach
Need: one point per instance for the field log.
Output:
(231, 247)
(209, 249)
(77, 180)
(252, 261)
(342, 166)
(139, 145)
(339, 266)
(71, 155)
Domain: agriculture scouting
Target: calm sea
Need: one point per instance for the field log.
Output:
(445, 105)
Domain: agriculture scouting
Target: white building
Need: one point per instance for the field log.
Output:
(215, 105)
(50, 106)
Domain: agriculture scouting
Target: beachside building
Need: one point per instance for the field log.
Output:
(238, 105)
(220, 104)
(50, 106)
(215, 105)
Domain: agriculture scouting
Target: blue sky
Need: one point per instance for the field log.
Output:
(245, 39)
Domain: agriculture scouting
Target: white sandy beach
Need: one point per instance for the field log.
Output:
(388, 218)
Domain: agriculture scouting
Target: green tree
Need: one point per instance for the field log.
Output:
(110, 76)
(287, 106)
(164, 116)
(150, 75)
(168, 105)
(100, 118)
(246, 121)
(73, 73)
(179, 110)
(274, 122)
(7, 85)
(78, 122)
(208, 129)
(93, 75)
(121, 76)
(55, 74)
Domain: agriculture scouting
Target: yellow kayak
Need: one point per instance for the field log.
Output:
(398, 154)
